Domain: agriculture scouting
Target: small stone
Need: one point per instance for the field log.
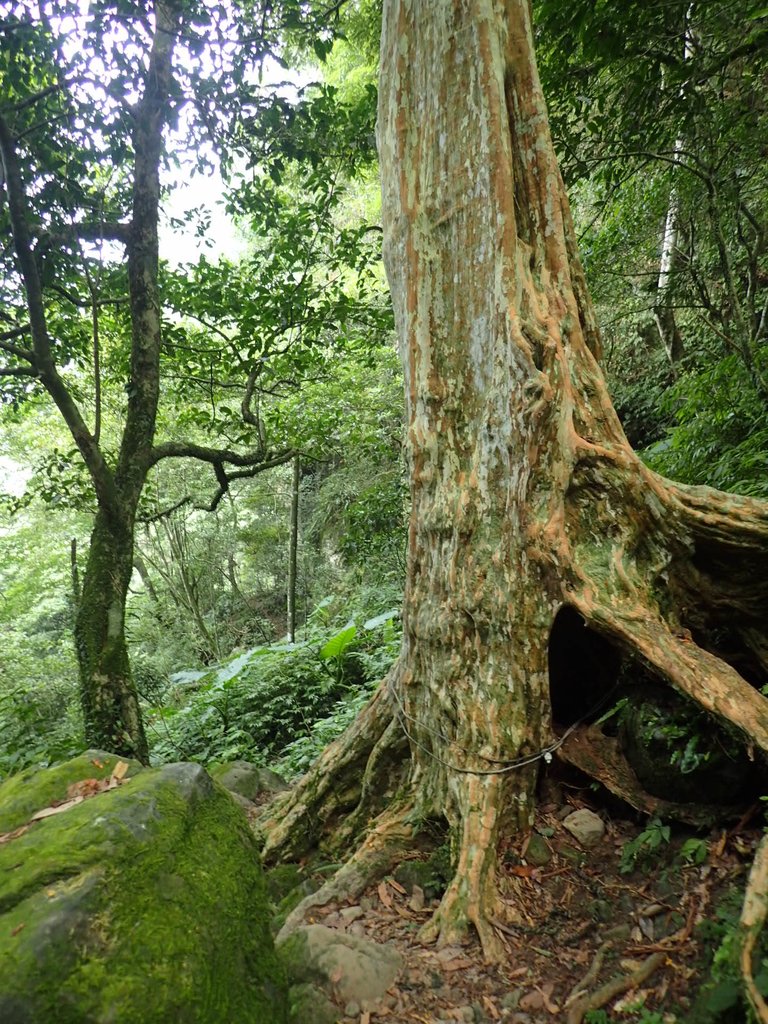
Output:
(352, 1009)
(416, 902)
(365, 904)
(537, 853)
(350, 914)
(585, 826)
(357, 929)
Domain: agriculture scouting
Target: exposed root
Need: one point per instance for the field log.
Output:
(708, 680)
(472, 897)
(753, 917)
(385, 844)
(385, 769)
(293, 823)
(601, 757)
(613, 988)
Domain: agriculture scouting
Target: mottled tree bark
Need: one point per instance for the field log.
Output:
(526, 494)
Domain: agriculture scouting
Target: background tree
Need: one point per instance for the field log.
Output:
(529, 507)
(658, 119)
(116, 84)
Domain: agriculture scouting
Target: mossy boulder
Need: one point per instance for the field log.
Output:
(251, 781)
(142, 903)
(680, 753)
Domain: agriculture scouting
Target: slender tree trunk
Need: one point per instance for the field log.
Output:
(526, 496)
(663, 310)
(293, 548)
(109, 698)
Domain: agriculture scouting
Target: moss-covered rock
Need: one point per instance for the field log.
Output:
(142, 903)
(247, 780)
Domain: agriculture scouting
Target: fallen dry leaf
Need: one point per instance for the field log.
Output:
(532, 1001)
(403, 912)
(524, 871)
(365, 1017)
(87, 787)
(18, 928)
(459, 963)
(491, 1008)
(97, 764)
(384, 895)
(397, 887)
(47, 812)
(118, 772)
(416, 902)
(546, 991)
(6, 837)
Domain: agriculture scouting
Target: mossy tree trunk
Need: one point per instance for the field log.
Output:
(108, 695)
(110, 704)
(526, 494)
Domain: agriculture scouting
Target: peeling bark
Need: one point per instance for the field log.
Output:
(526, 496)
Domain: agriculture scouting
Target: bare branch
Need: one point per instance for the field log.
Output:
(75, 299)
(35, 98)
(225, 479)
(87, 231)
(251, 463)
(21, 353)
(14, 332)
(18, 371)
(214, 456)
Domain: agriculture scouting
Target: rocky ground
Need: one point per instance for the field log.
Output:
(604, 918)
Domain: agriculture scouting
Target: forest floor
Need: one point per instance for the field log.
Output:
(628, 925)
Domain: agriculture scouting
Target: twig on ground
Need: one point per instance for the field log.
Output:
(613, 988)
(581, 987)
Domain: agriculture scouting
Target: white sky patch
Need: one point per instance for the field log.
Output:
(184, 245)
(13, 477)
(206, 191)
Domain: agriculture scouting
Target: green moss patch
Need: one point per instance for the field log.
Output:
(144, 903)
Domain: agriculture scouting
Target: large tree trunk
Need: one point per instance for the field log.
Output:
(526, 495)
(108, 694)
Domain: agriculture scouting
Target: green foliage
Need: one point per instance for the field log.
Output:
(631, 1015)
(275, 698)
(38, 727)
(693, 851)
(657, 114)
(721, 999)
(299, 755)
(40, 718)
(645, 846)
(720, 432)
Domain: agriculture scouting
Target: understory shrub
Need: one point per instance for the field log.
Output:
(283, 697)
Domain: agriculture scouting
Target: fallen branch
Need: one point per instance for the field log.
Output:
(613, 988)
(581, 987)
